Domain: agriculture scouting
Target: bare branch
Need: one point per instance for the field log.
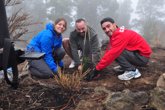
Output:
(19, 21)
(12, 2)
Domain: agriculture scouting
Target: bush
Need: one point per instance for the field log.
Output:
(71, 82)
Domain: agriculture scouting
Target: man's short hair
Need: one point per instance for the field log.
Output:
(79, 20)
(107, 19)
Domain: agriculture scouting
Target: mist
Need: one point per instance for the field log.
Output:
(145, 17)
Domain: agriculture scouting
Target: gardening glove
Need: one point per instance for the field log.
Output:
(94, 74)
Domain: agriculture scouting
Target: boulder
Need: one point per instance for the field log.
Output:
(158, 98)
(89, 105)
(127, 100)
(118, 101)
(138, 98)
(161, 81)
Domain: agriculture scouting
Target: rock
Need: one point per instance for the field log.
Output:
(99, 90)
(89, 105)
(139, 98)
(122, 105)
(119, 102)
(161, 81)
(93, 103)
(127, 100)
(158, 98)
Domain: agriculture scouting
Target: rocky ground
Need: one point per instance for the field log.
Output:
(106, 93)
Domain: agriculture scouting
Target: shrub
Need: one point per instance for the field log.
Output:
(71, 82)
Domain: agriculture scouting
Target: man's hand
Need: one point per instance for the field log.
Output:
(94, 74)
(80, 67)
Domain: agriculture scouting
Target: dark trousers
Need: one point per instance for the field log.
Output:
(40, 69)
(129, 59)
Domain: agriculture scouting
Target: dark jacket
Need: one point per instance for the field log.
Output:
(89, 47)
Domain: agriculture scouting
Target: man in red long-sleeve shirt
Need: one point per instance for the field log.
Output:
(126, 47)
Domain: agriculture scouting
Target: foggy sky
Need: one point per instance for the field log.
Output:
(125, 12)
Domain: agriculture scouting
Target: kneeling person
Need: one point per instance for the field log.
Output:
(48, 41)
(83, 41)
(126, 47)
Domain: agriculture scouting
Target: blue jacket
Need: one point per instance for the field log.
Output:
(46, 41)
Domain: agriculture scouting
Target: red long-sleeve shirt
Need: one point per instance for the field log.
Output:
(120, 40)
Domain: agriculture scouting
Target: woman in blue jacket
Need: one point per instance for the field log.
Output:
(48, 41)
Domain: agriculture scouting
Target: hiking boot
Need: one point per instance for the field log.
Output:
(72, 65)
(118, 69)
(128, 75)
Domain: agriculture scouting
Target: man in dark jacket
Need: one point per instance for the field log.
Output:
(85, 39)
(126, 47)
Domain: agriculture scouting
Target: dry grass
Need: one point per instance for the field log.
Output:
(70, 82)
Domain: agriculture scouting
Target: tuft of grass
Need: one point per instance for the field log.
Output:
(70, 82)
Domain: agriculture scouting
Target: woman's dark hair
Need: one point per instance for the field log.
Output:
(61, 19)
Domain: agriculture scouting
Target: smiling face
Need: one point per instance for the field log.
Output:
(109, 28)
(60, 27)
(81, 27)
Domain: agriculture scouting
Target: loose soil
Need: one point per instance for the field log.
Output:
(35, 94)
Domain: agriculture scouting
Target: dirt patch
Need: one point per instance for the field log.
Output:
(45, 95)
